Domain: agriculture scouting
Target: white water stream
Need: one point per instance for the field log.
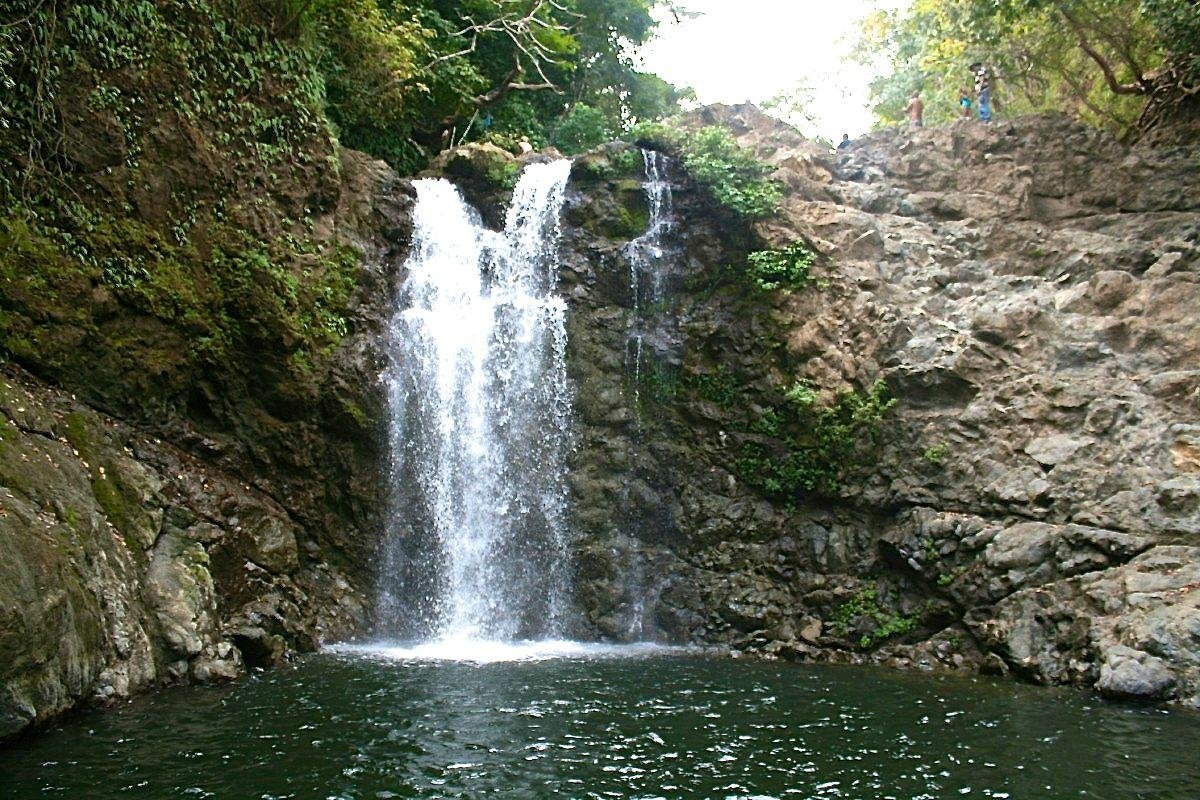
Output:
(480, 409)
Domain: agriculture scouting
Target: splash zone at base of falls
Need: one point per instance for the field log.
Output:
(476, 545)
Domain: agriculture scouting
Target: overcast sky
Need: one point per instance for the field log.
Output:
(755, 49)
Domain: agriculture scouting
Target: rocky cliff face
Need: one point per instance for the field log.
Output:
(186, 537)
(166, 526)
(194, 283)
(1029, 293)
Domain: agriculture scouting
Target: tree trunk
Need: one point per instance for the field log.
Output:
(1172, 112)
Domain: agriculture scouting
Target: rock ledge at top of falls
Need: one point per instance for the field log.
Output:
(1028, 290)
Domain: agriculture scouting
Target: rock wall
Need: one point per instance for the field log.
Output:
(1028, 291)
(187, 536)
(194, 285)
(193, 539)
(130, 563)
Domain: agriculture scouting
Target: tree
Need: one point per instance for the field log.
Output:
(1108, 62)
(407, 78)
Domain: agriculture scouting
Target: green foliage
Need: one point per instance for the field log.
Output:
(865, 603)
(583, 128)
(816, 446)
(786, 269)
(609, 164)
(656, 136)
(719, 387)
(244, 294)
(801, 395)
(254, 97)
(503, 174)
(653, 385)
(1177, 23)
(398, 80)
(935, 454)
(400, 75)
(737, 180)
(1034, 50)
(661, 383)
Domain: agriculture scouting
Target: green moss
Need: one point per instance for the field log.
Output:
(813, 447)
(610, 164)
(653, 386)
(627, 222)
(290, 292)
(491, 165)
(106, 491)
(355, 411)
(503, 174)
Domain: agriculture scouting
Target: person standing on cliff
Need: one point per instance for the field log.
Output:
(965, 102)
(983, 90)
(845, 143)
(915, 110)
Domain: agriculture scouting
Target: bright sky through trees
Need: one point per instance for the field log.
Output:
(756, 49)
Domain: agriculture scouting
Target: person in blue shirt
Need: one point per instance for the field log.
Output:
(983, 90)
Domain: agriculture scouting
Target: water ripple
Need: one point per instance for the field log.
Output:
(356, 723)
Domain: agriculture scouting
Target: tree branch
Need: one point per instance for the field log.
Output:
(1110, 77)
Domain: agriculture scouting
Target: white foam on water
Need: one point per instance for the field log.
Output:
(493, 651)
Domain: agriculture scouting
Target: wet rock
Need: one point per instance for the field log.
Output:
(1131, 673)
(103, 594)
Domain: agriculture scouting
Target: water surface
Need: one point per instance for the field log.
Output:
(598, 725)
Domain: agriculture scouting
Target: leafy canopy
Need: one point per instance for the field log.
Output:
(1095, 59)
(407, 78)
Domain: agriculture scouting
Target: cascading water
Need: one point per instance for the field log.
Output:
(646, 251)
(646, 254)
(480, 409)
(648, 265)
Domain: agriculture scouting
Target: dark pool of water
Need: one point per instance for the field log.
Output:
(351, 726)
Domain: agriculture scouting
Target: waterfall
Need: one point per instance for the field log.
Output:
(645, 255)
(646, 251)
(649, 261)
(476, 548)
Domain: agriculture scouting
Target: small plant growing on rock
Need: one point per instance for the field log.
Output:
(865, 603)
(718, 387)
(815, 446)
(802, 395)
(737, 180)
(935, 454)
(786, 269)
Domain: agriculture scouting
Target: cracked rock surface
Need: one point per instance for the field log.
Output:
(129, 564)
(1029, 292)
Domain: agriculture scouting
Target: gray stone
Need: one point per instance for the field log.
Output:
(1051, 450)
(1131, 673)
